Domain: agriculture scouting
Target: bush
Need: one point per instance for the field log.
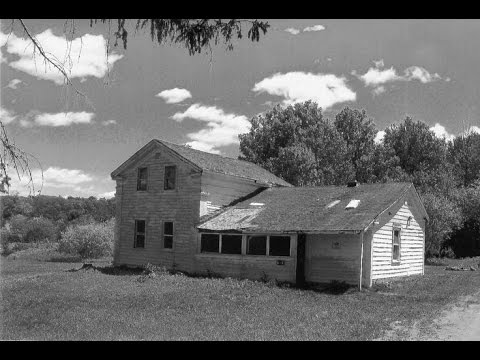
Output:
(36, 229)
(88, 241)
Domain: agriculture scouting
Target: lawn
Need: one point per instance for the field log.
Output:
(42, 300)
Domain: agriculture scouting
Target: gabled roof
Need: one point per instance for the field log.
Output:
(213, 163)
(306, 209)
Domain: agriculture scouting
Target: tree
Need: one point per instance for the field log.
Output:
(297, 144)
(359, 132)
(464, 155)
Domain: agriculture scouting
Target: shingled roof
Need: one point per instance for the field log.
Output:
(292, 209)
(225, 165)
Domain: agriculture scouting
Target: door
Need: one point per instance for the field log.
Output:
(300, 278)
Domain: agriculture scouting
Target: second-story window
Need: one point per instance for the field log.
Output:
(169, 181)
(168, 234)
(142, 177)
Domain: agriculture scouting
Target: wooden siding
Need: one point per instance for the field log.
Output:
(324, 262)
(219, 190)
(411, 247)
(250, 266)
(157, 205)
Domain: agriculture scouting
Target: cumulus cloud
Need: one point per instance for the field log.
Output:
(61, 119)
(441, 132)
(293, 31)
(325, 89)
(376, 77)
(473, 129)
(379, 137)
(109, 122)
(222, 128)
(175, 95)
(314, 28)
(7, 116)
(106, 195)
(82, 57)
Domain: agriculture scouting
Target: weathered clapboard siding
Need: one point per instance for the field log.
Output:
(219, 190)
(411, 247)
(250, 266)
(157, 205)
(325, 263)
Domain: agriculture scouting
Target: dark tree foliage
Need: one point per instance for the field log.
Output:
(464, 155)
(193, 34)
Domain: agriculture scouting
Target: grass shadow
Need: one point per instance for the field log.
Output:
(332, 288)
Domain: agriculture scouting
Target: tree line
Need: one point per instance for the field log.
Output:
(299, 144)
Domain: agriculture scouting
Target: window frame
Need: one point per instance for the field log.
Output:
(165, 177)
(146, 178)
(136, 233)
(399, 229)
(219, 244)
(168, 235)
(289, 245)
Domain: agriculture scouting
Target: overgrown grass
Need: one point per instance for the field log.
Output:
(44, 300)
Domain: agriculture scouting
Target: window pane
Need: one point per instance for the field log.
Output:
(140, 241)
(210, 243)
(140, 226)
(168, 242)
(396, 236)
(280, 245)
(169, 181)
(257, 245)
(396, 252)
(231, 244)
(142, 179)
(168, 228)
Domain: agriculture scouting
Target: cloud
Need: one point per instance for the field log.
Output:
(222, 128)
(441, 132)
(314, 28)
(7, 116)
(325, 89)
(106, 195)
(376, 77)
(379, 137)
(292, 31)
(14, 83)
(473, 129)
(175, 95)
(82, 57)
(60, 119)
(109, 122)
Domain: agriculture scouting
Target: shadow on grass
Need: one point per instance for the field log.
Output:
(65, 259)
(110, 269)
(332, 288)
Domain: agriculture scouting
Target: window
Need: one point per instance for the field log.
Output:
(396, 244)
(142, 176)
(139, 241)
(168, 234)
(210, 243)
(256, 245)
(169, 181)
(231, 244)
(279, 246)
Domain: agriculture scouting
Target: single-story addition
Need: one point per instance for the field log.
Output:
(199, 212)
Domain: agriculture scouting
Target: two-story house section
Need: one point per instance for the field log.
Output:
(164, 190)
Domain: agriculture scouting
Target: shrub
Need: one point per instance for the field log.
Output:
(37, 229)
(88, 241)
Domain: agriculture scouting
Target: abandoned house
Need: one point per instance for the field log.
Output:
(199, 212)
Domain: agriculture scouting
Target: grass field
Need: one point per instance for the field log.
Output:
(42, 300)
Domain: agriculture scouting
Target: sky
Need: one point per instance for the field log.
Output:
(426, 69)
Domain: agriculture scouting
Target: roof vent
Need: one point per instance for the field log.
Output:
(333, 203)
(352, 204)
(353, 183)
(257, 204)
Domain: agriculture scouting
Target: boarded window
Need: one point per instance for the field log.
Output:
(231, 244)
(257, 245)
(142, 177)
(396, 245)
(279, 246)
(139, 241)
(168, 234)
(169, 181)
(210, 243)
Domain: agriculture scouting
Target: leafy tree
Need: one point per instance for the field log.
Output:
(359, 132)
(464, 155)
(297, 144)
